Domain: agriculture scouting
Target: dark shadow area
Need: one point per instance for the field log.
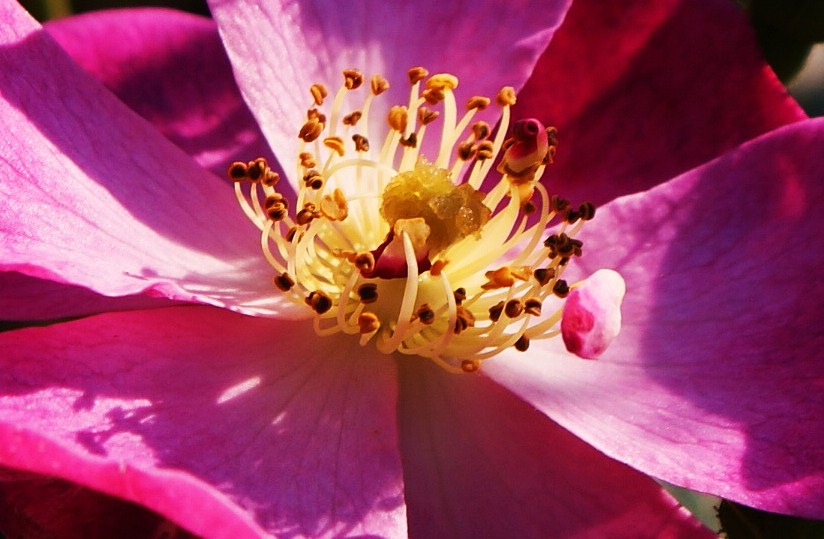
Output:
(32, 506)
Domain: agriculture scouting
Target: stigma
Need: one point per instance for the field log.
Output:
(444, 245)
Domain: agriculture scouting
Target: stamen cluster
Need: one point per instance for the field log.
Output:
(415, 252)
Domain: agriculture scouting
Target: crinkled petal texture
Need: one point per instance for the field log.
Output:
(643, 91)
(295, 43)
(716, 381)
(92, 195)
(227, 425)
(169, 67)
(480, 462)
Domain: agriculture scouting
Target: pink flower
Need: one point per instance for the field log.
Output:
(172, 397)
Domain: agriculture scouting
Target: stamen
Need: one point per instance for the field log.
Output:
(409, 253)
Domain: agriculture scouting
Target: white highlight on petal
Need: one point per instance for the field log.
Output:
(238, 389)
(592, 314)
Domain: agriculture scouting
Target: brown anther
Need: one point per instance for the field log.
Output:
(572, 215)
(352, 79)
(320, 302)
(427, 116)
(368, 293)
(522, 344)
(291, 233)
(275, 199)
(417, 74)
(368, 323)
(466, 151)
(499, 278)
(271, 178)
(409, 142)
(256, 170)
(433, 96)
(528, 207)
(315, 114)
(481, 130)
(465, 320)
(311, 130)
(307, 160)
(397, 118)
(495, 311)
(319, 93)
(513, 308)
(334, 206)
(352, 118)
(470, 365)
(307, 214)
(379, 84)
(559, 244)
(558, 204)
(577, 246)
(552, 135)
(460, 295)
(587, 211)
(506, 96)
(335, 144)
(549, 158)
(561, 288)
(276, 207)
(361, 143)
(532, 306)
(313, 180)
(237, 171)
(437, 267)
(477, 102)
(544, 275)
(284, 282)
(425, 314)
(442, 81)
(485, 150)
(365, 262)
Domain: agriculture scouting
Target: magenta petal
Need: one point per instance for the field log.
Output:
(92, 195)
(643, 91)
(280, 48)
(171, 68)
(220, 422)
(24, 298)
(479, 462)
(716, 380)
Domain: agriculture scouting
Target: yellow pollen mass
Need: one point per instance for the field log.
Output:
(395, 236)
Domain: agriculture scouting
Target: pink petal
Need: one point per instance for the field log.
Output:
(715, 382)
(93, 196)
(220, 422)
(293, 45)
(170, 67)
(643, 91)
(479, 462)
(24, 298)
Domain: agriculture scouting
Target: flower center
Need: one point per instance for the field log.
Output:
(404, 249)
